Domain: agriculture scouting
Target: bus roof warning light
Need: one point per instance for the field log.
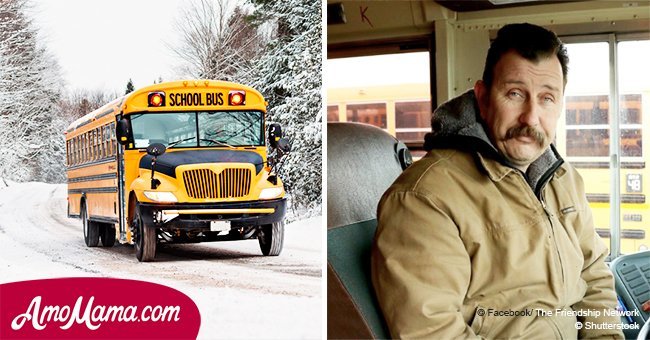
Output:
(236, 98)
(156, 99)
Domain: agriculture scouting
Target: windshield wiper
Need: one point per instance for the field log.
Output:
(173, 144)
(218, 142)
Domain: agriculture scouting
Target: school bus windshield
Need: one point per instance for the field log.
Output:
(214, 128)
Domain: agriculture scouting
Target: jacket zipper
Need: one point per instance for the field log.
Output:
(541, 195)
(549, 215)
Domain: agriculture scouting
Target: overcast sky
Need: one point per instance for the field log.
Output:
(101, 44)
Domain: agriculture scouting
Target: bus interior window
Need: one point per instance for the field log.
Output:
(391, 91)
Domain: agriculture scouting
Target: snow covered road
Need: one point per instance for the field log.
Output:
(239, 292)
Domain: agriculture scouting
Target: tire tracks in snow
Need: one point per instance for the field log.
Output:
(39, 221)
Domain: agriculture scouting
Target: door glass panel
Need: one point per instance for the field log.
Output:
(584, 133)
(634, 103)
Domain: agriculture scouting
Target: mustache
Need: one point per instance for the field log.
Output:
(526, 131)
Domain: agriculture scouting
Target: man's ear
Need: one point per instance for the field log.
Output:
(482, 97)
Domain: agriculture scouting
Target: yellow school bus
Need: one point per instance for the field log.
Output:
(178, 162)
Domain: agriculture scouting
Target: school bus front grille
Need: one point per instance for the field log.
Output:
(205, 183)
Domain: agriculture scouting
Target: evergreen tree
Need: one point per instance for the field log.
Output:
(288, 74)
(129, 87)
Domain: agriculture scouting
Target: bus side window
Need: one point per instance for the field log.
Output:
(369, 113)
(113, 140)
(98, 143)
(76, 150)
(86, 146)
(72, 144)
(332, 113)
(109, 130)
(72, 151)
(107, 139)
(102, 141)
(95, 148)
(89, 146)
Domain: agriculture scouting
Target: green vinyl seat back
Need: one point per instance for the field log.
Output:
(362, 162)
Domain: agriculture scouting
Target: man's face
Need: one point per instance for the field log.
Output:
(522, 107)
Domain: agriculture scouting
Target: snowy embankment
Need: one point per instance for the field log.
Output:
(239, 292)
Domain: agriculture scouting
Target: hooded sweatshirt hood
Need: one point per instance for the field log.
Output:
(457, 124)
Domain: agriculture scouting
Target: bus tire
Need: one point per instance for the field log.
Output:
(91, 229)
(271, 238)
(107, 235)
(145, 237)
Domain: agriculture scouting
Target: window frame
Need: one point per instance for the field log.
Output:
(614, 157)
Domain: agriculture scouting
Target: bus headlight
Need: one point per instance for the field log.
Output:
(160, 196)
(270, 193)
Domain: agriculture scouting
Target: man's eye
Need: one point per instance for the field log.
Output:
(549, 100)
(515, 94)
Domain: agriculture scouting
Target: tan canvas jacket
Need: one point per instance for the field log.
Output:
(465, 248)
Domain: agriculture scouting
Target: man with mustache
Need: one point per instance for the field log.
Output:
(490, 234)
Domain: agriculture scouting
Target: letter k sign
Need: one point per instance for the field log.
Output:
(364, 18)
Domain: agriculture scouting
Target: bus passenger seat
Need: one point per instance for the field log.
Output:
(362, 162)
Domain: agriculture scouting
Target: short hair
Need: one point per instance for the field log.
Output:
(532, 42)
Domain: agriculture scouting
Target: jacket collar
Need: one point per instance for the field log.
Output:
(457, 124)
(538, 174)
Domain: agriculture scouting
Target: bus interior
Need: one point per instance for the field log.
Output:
(391, 63)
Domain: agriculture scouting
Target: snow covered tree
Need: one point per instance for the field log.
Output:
(217, 42)
(30, 82)
(76, 104)
(288, 74)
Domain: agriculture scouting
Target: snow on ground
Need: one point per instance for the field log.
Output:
(239, 292)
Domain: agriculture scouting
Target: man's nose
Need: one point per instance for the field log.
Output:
(530, 114)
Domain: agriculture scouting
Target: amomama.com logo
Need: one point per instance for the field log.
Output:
(72, 307)
(92, 316)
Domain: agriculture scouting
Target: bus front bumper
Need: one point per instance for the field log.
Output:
(191, 215)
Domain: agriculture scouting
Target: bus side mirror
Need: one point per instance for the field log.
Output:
(156, 149)
(275, 134)
(123, 130)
